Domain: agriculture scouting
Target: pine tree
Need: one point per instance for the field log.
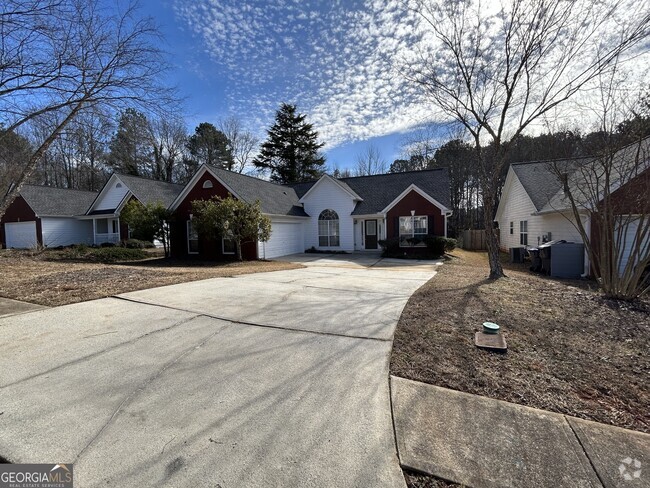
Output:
(291, 151)
(211, 146)
(130, 148)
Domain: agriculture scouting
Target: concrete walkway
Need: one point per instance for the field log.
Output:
(273, 379)
(14, 307)
(481, 442)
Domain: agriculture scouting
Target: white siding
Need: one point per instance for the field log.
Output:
(328, 194)
(62, 231)
(561, 226)
(627, 241)
(516, 207)
(287, 237)
(112, 196)
(20, 235)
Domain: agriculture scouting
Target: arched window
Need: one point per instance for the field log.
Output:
(328, 229)
(207, 184)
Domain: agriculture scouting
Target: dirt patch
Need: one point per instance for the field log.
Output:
(419, 480)
(569, 350)
(45, 279)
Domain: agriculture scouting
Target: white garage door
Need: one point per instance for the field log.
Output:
(286, 238)
(20, 235)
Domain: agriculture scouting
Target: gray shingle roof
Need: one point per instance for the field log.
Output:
(50, 201)
(378, 191)
(151, 191)
(540, 180)
(275, 199)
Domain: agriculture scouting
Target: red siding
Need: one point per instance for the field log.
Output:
(414, 201)
(20, 211)
(208, 249)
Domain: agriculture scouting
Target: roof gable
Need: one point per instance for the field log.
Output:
(274, 199)
(540, 180)
(327, 179)
(57, 202)
(379, 191)
(414, 188)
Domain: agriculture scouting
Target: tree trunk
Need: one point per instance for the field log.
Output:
(491, 237)
(36, 157)
(238, 250)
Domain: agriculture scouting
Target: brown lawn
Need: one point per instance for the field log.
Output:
(569, 350)
(46, 278)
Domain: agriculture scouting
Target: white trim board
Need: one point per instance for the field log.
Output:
(413, 187)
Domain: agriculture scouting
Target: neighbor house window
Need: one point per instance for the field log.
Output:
(227, 246)
(101, 226)
(116, 226)
(512, 228)
(328, 229)
(523, 232)
(412, 230)
(192, 238)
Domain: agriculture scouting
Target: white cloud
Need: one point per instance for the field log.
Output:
(338, 60)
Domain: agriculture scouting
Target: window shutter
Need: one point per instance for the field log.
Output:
(396, 228)
(430, 222)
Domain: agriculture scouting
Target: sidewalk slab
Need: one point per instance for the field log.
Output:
(621, 457)
(10, 307)
(481, 442)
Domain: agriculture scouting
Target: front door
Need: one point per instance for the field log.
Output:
(371, 234)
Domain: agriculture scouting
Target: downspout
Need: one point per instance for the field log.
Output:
(587, 261)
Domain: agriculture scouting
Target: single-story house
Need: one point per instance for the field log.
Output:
(104, 212)
(47, 216)
(51, 217)
(328, 214)
(534, 208)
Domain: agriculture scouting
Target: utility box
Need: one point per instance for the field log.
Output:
(562, 259)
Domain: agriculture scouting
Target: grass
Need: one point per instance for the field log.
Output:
(55, 277)
(569, 350)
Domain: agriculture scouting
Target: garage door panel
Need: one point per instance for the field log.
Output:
(20, 235)
(286, 238)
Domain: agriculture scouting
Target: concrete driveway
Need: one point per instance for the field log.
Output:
(272, 379)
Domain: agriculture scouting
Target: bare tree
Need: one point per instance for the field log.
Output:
(498, 71)
(168, 138)
(67, 56)
(607, 197)
(370, 162)
(243, 144)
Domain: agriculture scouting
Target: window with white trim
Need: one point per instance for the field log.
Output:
(523, 232)
(227, 246)
(192, 238)
(328, 229)
(512, 228)
(412, 230)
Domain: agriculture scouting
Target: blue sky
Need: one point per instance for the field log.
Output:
(337, 60)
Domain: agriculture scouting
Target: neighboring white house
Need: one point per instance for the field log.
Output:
(47, 216)
(525, 215)
(103, 215)
(534, 208)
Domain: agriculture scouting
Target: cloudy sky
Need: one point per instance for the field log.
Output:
(336, 59)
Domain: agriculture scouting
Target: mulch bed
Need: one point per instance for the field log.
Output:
(45, 278)
(569, 350)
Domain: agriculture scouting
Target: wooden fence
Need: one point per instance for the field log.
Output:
(474, 240)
